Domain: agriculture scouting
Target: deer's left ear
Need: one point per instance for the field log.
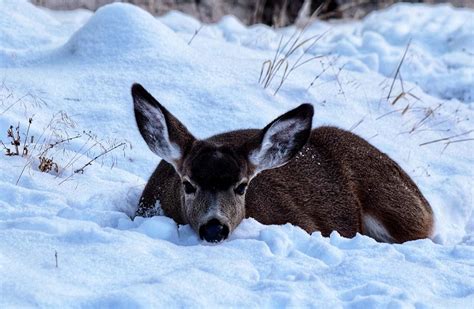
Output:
(281, 139)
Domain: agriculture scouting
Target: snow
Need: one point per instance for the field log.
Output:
(72, 72)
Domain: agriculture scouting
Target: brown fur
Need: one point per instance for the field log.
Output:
(334, 181)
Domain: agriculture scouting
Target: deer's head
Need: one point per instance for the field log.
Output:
(215, 177)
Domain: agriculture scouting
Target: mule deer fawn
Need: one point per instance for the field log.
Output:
(325, 179)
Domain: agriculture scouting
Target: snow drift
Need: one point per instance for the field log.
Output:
(84, 67)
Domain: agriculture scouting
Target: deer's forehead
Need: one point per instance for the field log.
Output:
(215, 168)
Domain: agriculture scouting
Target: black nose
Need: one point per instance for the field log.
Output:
(213, 231)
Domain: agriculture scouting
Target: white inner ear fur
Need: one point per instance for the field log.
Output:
(277, 143)
(157, 133)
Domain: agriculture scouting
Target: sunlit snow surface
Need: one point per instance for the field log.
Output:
(84, 65)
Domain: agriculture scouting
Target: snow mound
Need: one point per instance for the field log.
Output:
(23, 26)
(121, 29)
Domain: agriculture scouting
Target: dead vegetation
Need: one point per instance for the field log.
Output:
(58, 148)
(405, 102)
(451, 139)
(196, 32)
(426, 116)
(51, 151)
(9, 100)
(47, 165)
(283, 63)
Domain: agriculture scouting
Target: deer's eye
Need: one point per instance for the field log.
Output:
(188, 187)
(240, 190)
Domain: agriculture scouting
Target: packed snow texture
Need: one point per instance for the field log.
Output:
(72, 71)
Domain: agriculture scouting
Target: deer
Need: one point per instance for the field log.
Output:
(323, 179)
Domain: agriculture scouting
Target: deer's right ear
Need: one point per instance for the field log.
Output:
(165, 135)
(280, 140)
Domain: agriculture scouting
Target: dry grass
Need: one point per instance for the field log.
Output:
(451, 139)
(429, 118)
(52, 150)
(281, 66)
(9, 100)
(196, 32)
(407, 96)
(47, 165)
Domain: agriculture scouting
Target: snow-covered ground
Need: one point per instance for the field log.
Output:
(71, 73)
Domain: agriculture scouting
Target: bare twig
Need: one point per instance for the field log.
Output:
(447, 138)
(460, 140)
(52, 145)
(398, 69)
(76, 156)
(354, 126)
(15, 137)
(264, 64)
(402, 94)
(430, 112)
(25, 143)
(402, 110)
(13, 104)
(456, 141)
(336, 75)
(7, 150)
(81, 170)
(22, 171)
(195, 33)
(319, 75)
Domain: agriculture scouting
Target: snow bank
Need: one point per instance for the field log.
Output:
(84, 67)
(439, 58)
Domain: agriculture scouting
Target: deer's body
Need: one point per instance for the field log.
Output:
(335, 181)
